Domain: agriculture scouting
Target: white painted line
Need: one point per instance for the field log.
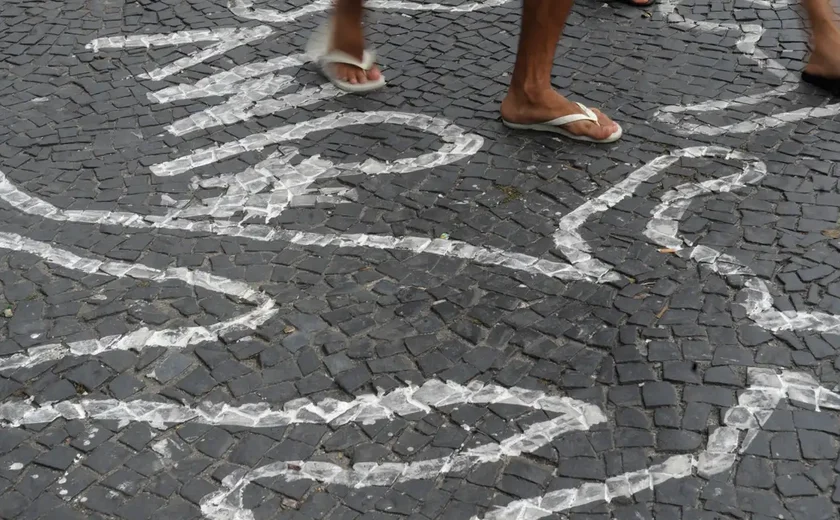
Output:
(245, 8)
(365, 409)
(226, 82)
(762, 123)
(451, 248)
(161, 40)
(75, 262)
(459, 145)
(143, 337)
(663, 227)
(139, 339)
(567, 238)
(253, 103)
(747, 44)
(758, 303)
(217, 506)
(574, 415)
(255, 179)
(755, 407)
(226, 38)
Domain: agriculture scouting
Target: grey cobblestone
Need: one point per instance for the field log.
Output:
(662, 350)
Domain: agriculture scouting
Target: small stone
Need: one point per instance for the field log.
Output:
(171, 367)
(818, 445)
(755, 472)
(796, 486)
(658, 393)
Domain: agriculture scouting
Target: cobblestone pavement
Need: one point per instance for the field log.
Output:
(230, 292)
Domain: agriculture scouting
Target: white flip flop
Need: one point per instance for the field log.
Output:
(556, 126)
(317, 50)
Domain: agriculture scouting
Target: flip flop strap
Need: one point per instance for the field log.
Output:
(588, 115)
(333, 57)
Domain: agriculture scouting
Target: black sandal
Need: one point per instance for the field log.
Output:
(831, 85)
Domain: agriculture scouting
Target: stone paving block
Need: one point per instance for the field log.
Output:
(212, 268)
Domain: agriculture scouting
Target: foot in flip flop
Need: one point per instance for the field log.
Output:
(339, 50)
(548, 111)
(355, 75)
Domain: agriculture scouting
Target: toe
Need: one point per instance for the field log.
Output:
(604, 128)
(605, 122)
(373, 74)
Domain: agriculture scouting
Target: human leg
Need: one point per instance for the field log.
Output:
(347, 37)
(531, 99)
(825, 40)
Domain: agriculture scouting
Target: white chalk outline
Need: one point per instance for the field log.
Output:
(755, 406)
(758, 301)
(666, 214)
(742, 423)
(245, 8)
(364, 409)
(226, 38)
(568, 240)
(747, 45)
(142, 337)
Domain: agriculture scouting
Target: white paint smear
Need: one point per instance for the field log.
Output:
(264, 190)
(758, 303)
(763, 123)
(747, 45)
(143, 337)
(755, 406)
(573, 415)
(459, 145)
(245, 8)
(226, 82)
(365, 409)
(663, 228)
(227, 39)
(254, 101)
(252, 87)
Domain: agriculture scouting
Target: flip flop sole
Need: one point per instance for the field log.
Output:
(541, 127)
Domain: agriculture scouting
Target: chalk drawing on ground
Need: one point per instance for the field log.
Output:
(741, 424)
(752, 33)
(246, 9)
(143, 337)
(661, 230)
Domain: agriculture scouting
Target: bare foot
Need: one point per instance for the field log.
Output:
(546, 105)
(355, 75)
(348, 37)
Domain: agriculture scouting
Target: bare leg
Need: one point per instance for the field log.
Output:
(531, 98)
(825, 39)
(348, 37)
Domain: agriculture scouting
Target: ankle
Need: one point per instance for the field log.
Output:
(531, 93)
